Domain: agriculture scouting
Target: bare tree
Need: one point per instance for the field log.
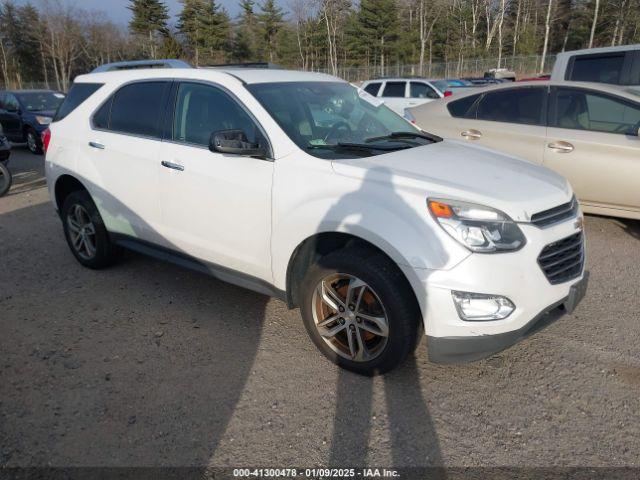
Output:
(596, 9)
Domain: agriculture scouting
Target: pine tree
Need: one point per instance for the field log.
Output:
(271, 20)
(192, 25)
(378, 28)
(149, 21)
(244, 46)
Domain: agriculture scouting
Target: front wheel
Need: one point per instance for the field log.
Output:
(360, 311)
(5, 179)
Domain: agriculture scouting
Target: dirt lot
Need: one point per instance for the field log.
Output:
(148, 364)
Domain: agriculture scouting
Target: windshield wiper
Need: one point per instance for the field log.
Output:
(405, 136)
(362, 147)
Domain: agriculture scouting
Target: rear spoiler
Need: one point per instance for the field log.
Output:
(136, 64)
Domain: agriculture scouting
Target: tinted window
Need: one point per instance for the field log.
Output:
(521, 105)
(78, 93)
(11, 102)
(605, 69)
(137, 109)
(373, 88)
(101, 117)
(421, 90)
(202, 110)
(394, 89)
(463, 108)
(581, 110)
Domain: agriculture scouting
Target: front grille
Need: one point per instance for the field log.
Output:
(555, 214)
(563, 260)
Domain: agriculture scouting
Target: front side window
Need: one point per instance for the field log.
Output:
(422, 90)
(516, 105)
(584, 110)
(373, 88)
(602, 69)
(334, 119)
(136, 109)
(11, 103)
(203, 109)
(41, 101)
(394, 89)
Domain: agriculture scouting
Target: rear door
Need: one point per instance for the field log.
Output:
(124, 150)
(512, 121)
(10, 117)
(394, 94)
(592, 140)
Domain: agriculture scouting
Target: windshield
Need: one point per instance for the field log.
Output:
(40, 101)
(334, 120)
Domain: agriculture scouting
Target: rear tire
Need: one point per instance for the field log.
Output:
(371, 278)
(5, 179)
(34, 142)
(86, 233)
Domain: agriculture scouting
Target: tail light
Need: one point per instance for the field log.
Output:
(46, 139)
(448, 93)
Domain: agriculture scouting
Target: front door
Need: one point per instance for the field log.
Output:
(592, 141)
(215, 207)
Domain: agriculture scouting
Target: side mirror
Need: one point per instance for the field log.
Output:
(235, 142)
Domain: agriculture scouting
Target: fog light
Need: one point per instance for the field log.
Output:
(479, 307)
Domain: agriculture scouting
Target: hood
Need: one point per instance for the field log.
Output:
(43, 113)
(456, 170)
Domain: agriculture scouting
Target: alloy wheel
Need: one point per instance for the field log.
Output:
(82, 232)
(32, 142)
(350, 317)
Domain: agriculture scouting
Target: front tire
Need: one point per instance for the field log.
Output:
(86, 233)
(360, 311)
(34, 143)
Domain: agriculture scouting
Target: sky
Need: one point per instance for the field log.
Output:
(117, 11)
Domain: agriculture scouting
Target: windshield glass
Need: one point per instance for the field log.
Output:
(319, 116)
(40, 101)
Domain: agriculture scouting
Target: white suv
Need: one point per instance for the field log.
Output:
(298, 185)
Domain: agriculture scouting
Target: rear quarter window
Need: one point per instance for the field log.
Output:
(78, 93)
(463, 108)
(372, 88)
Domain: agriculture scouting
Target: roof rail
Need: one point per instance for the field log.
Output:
(135, 64)
(245, 65)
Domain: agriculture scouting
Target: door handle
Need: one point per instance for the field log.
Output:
(561, 147)
(173, 166)
(472, 134)
(97, 145)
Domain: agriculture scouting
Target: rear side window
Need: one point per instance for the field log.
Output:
(394, 89)
(136, 109)
(521, 105)
(463, 108)
(78, 93)
(602, 69)
(372, 88)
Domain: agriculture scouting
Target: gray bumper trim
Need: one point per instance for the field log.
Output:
(470, 349)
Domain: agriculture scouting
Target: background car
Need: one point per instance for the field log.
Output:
(401, 93)
(614, 65)
(5, 146)
(588, 132)
(25, 114)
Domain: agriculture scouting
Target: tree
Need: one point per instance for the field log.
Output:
(150, 22)
(270, 20)
(378, 27)
(245, 42)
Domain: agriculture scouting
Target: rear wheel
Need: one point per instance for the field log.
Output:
(34, 143)
(360, 311)
(5, 179)
(85, 232)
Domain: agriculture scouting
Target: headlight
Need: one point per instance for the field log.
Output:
(480, 229)
(43, 120)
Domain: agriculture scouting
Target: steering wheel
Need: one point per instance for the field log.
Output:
(341, 125)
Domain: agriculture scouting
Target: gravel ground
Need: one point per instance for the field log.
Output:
(148, 364)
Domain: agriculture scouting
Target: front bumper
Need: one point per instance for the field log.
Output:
(470, 349)
(515, 275)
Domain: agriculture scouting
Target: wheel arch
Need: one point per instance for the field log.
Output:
(65, 185)
(323, 243)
